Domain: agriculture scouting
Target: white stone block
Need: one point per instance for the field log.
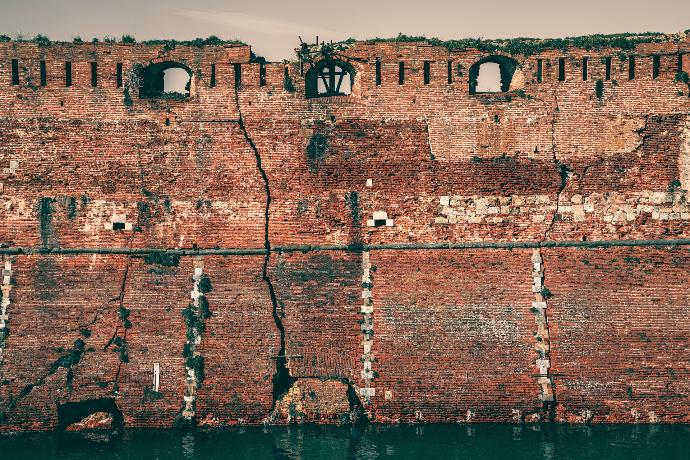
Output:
(444, 201)
(389, 222)
(367, 392)
(380, 215)
(543, 365)
(128, 226)
(370, 183)
(539, 305)
(367, 309)
(370, 222)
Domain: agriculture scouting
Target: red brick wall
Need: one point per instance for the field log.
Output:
(453, 330)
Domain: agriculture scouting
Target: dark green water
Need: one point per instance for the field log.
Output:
(367, 442)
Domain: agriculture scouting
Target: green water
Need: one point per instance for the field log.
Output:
(366, 442)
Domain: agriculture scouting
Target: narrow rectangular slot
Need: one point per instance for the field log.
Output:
(450, 72)
(585, 61)
(94, 74)
(656, 65)
(607, 63)
(68, 73)
(15, 72)
(401, 73)
(262, 74)
(680, 62)
(212, 83)
(427, 72)
(118, 71)
(561, 69)
(540, 70)
(156, 376)
(631, 67)
(238, 74)
(44, 73)
(378, 71)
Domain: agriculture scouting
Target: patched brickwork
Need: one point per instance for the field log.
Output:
(413, 251)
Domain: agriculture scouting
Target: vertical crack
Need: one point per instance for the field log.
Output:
(563, 170)
(282, 380)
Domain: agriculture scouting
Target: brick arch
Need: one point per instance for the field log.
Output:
(73, 412)
(152, 81)
(507, 66)
(333, 88)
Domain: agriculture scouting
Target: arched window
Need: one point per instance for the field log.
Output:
(492, 74)
(330, 78)
(165, 79)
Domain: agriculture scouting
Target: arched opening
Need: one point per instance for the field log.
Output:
(90, 414)
(330, 78)
(492, 74)
(165, 79)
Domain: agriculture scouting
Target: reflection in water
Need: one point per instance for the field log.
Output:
(362, 442)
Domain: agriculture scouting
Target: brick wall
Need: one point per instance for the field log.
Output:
(349, 283)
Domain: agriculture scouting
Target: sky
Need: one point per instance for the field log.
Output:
(272, 27)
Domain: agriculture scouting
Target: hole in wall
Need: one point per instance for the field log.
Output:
(492, 74)
(118, 225)
(89, 414)
(165, 79)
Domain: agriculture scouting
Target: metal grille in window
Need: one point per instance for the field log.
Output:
(333, 80)
(329, 77)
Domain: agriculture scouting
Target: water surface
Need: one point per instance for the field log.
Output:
(485, 441)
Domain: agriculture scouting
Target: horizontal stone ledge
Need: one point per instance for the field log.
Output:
(349, 248)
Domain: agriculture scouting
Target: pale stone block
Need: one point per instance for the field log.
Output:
(543, 365)
(366, 293)
(505, 210)
(118, 218)
(108, 226)
(539, 305)
(370, 222)
(367, 392)
(444, 201)
(492, 210)
(198, 271)
(367, 309)
(576, 199)
(380, 215)
(128, 226)
(437, 220)
(518, 200)
(389, 222)
(370, 183)
(539, 218)
(578, 213)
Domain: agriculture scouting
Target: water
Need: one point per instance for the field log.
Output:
(366, 442)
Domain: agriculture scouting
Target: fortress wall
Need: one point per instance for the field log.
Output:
(452, 332)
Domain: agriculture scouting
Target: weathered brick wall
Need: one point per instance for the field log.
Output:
(316, 313)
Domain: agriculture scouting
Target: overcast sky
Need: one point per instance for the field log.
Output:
(272, 27)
